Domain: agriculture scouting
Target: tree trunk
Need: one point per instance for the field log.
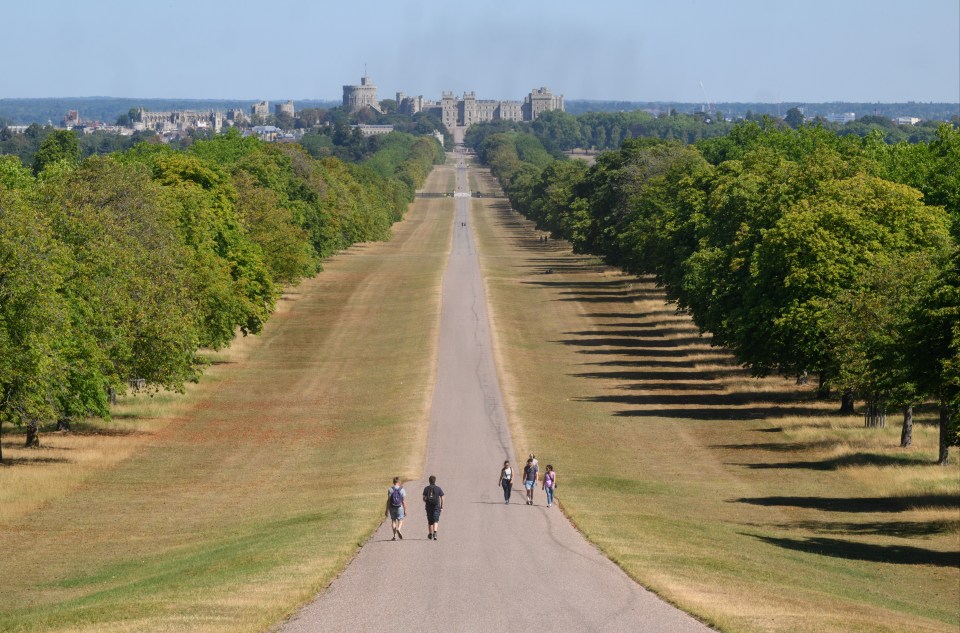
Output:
(906, 435)
(802, 379)
(112, 395)
(944, 434)
(1, 441)
(846, 402)
(823, 387)
(875, 416)
(33, 434)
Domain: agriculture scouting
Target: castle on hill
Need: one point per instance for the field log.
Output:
(456, 111)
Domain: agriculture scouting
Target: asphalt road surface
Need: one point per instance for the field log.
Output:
(494, 567)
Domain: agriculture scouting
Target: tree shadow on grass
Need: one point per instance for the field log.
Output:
(23, 461)
(775, 447)
(721, 414)
(894, 554)
(644, 338)
(631, 340)
(855, 459)
(771, 399)
(589, 285)
(858, 504)
(902, 529)
(648, 352)
(647, 363)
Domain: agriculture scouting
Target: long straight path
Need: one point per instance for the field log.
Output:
(495, 567)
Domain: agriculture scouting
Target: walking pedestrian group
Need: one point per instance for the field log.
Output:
(531, 476)
(396, 507)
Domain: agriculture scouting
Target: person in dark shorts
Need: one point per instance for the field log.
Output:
(433, 503)
(506, 481)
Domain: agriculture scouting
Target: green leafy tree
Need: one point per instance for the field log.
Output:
(60, 145)
(867, 328)
(33, 315)
(131, 314)
(794, 118)
(231, 283)
(934, 344)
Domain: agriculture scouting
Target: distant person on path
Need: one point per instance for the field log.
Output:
(531, 474)
(506, 481)
(433, 502)
(536, 464)
(397, 507)
(549, 484)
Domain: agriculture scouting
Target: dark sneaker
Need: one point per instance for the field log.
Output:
(429, 536)
(400, 534)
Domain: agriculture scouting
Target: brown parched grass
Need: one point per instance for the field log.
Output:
(746, 502)
(227, 508)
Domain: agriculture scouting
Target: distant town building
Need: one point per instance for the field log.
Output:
(178, 120)
(372, 130)
(260, 109)
(845, 117)
(363, 96)
(236, 116)
(267, 132)
(283, 108)
(71, 119)
(906, 120)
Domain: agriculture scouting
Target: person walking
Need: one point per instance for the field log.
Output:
(433, 502)
(531, 475)
(396, 507)
(549, 483)
(506, 481)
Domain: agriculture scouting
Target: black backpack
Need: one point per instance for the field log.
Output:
(431, 495)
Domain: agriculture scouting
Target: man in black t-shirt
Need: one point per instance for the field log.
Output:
(433, 502)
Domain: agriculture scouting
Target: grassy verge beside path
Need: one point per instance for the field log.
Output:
(231, 506)
(745, 502)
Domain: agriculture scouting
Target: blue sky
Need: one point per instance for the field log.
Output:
(742, 50)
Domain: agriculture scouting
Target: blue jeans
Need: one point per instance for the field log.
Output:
(549, 496)
(507, 488)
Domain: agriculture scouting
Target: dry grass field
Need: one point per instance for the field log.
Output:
(746, 502)
(227, 508)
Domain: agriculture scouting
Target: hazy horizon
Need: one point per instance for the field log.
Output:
(853, 51)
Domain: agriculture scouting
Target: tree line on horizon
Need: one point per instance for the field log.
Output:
(561, 132)
(803, 252)
(123, 267)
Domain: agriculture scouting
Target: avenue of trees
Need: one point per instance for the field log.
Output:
(122, 267)
(803, 252)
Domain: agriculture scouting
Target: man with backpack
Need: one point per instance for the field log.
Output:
(433, 502)
(396, 507)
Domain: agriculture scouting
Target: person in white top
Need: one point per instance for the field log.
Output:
(506, 481)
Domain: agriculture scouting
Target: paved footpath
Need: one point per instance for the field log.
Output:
(495, 567)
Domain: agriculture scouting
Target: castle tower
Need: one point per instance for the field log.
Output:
(358, 97)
